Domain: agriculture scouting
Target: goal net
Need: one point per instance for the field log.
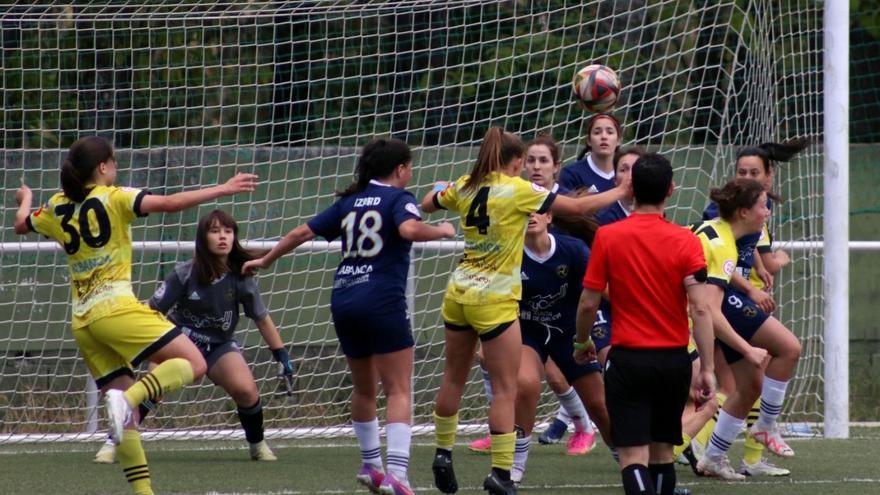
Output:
(191, 92)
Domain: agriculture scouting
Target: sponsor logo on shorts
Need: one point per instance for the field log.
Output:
(750, 312)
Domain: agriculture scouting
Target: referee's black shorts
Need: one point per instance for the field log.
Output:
(645, 392)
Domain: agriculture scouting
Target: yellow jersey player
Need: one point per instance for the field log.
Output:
(114, 332)
(482, 297)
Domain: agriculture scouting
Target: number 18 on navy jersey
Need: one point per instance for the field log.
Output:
(375, 259)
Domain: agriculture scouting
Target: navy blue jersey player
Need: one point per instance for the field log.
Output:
(593, 170)
(377, 221)
(552, 269)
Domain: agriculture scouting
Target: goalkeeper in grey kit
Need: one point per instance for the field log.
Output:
(202, 297)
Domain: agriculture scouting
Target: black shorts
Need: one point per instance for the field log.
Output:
(362, 335)
(548, 342)
(645, 393)
(744, 316)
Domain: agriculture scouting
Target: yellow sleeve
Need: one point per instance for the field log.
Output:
(448, 198)
(764, 243)
(531, 198)
(43, 221)
(126, 202)
(720, 258)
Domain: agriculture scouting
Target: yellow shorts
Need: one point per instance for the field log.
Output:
(111, 346)
(489, 320)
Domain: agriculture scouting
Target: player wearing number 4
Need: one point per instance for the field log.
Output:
(378, 220)
(482, 297)
(202, 297)
(114, 332)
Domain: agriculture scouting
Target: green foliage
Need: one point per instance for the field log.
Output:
(322, 77)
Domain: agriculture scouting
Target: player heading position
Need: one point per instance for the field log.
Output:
(654, 271)
(481, 301)
(91, 219)
(378, 221)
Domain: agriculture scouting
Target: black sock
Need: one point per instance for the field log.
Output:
(636, 480)
(443, 452)
(252, 421)
(145, 407)
(503, 474)
(663, 477)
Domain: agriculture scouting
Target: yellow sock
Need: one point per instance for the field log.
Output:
(678, 449)
(502, 450)
(706, 433)
(169, 376)
(134, 463)
(444, 430)
(752, 450)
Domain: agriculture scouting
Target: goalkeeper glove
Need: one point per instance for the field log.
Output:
(285, 368)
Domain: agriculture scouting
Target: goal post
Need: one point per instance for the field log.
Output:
(194, 92)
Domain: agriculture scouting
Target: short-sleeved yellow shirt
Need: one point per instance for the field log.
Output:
(719, 248)
(96, 234)
(494, 217)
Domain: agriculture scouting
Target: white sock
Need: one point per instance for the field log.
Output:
(487, 384)
(772, 397)
(571, 403)
(368, 439)
(399, 437)
(726, 430)
(521, 452)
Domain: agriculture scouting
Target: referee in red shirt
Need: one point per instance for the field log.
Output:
(654, 271)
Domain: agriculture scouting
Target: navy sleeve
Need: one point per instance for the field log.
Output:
(568, 179)
(405, 208)
(249, 297)
(328, 223)
(168, 293)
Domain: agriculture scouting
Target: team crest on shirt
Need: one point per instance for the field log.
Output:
(562, 271)
(750, 312)
(729, 267)
(230, 295)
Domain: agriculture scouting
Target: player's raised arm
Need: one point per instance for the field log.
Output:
(24, 197)
(183, 200)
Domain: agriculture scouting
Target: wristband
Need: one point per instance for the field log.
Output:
(440, 186)
(582, 346)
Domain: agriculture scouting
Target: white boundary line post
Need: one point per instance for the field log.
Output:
(836, 219)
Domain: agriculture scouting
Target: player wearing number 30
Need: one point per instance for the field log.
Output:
(482, 296)
(114, 332)
(378, 220)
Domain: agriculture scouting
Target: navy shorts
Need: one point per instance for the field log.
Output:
(212, 351)
(744, 316)
(362, 334)
(551, 342)
(601, 331)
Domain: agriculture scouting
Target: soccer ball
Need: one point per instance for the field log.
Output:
(596, 87)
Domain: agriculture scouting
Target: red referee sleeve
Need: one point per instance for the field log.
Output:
(692, 256)
(597, 269)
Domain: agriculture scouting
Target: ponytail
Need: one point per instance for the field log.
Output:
(83, 157)
(378, 159)
(498, 149)
(772, 153)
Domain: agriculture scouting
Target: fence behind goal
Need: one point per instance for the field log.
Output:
(194, 92)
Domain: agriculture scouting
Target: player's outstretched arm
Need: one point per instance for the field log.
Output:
(416, 231)
(428, 205)
(24, 197)
(591, 203)
(187, 199)
(291, 241)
